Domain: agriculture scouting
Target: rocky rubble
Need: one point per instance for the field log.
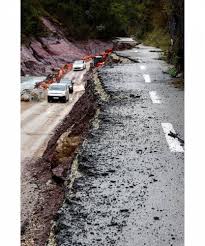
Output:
(119, 44)
(35, 94)
(115, 58)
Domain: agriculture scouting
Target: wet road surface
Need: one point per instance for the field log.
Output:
(129, 186)
(38, 120)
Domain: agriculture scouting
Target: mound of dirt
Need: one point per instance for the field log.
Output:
(35, 94)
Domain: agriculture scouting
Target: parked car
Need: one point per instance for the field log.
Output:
(68, 82)
(79, 65)
(58, 91)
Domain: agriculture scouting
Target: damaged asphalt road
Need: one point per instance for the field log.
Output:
(129, 186)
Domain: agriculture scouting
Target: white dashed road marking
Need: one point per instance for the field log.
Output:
(155, 98)
(174, 144)
(147, 78)
(142, 67)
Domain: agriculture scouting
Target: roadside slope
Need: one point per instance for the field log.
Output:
(42, 189)
(43, 55)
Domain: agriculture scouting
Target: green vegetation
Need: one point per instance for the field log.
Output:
(172, 72)
(30, 19)
(154, 22)
(88, 18)
(158, 38)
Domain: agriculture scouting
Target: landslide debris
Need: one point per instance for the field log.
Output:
(35, 94)
(50, 171)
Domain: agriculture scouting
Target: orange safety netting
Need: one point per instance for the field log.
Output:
(56, 77)
(88, 58)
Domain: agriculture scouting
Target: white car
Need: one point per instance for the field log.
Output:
(58, 91)
(79, 65)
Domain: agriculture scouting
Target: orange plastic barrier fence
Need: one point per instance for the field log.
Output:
(67, 68)
(56, 77)
(88, 58)
(109, 51)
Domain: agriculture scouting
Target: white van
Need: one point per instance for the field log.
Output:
(59, 92)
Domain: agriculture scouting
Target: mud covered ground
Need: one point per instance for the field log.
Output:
(46, 175)
(128, 190)
(43, 177)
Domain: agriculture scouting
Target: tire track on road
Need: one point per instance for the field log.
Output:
(38, 131)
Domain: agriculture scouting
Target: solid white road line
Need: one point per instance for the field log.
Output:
(174, 144)
(142, 67)
(155, 98)
(147, 78)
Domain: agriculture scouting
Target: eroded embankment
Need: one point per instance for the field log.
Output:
(50, 176)
(49, 172)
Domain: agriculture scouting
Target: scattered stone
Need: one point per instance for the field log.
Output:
(114, 58)
(139, 151)
(33, 95)
(111, 171)
(49, 182)
(113, 224)
(134, 96)
(118, 45)
(105, 174)
(180, 75)
(124, 210)
(25, 96)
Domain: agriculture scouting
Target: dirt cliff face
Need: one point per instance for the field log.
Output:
(41, 56)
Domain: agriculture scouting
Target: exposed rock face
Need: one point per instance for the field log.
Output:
(47, 53)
